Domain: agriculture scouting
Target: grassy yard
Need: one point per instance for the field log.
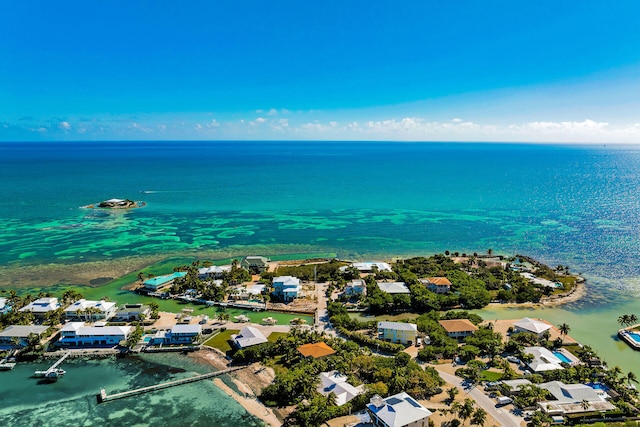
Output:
(221, 341)
(275, 335)
(491, 376)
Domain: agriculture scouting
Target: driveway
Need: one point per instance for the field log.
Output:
(501, 415)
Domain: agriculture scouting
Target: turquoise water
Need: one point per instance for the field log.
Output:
(571, 205)
(27, 401)
(635, 336)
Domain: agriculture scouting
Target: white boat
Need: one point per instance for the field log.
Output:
(269, 321)
(7, 366)
(241, 318)
(53, 374)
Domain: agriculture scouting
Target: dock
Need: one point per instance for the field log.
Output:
(103, 397)
(53, 368)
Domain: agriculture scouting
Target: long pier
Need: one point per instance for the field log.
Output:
(104, 397)
(53, 367)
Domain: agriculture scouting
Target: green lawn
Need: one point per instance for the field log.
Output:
(221, 341)
(275, 335)
(491, 375)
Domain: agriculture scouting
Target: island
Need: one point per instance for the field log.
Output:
(116, 204)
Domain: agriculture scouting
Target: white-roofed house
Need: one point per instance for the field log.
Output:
(4, 306)
(569, 399)
(17, 335)
(356, 287)
(369, 267)
(543, 359)
(532, 326)
(90, 310)
(41, 307)
(394, 287)
(248, 336)
(77, 334)
(183, 334)
(399, 410)
(286, 287)
(336, 383)
(213, 272)
(398, 332)
(255, 263)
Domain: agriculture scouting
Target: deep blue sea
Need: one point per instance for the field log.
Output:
(571, 205)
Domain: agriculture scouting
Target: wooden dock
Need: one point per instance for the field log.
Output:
(104, 397)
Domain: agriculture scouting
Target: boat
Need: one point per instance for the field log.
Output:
(241, 318)
(269, 321)
(7, 366)
(52, 374)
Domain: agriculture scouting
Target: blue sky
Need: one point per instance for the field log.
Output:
(543, 71)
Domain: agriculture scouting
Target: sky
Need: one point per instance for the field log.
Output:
(503, 71)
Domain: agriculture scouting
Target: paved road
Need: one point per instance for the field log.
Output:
(501, 415)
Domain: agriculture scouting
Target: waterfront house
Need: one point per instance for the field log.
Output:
(248, 336)
(356, 287)
(41, 307)
(569, 399)
(398, 332)
(286, 288)
(16, 336)
(543, 359)
(90, 310)
(131, 312)
(182, 334)
(394, 288)
(258, 264)
(532, 326)
(159, 283)
(77, 334)
(316, 350)
(458, 328)
(399, 410)
(439, 285)
(370, 267)
(336, 383)
(4, 306)
(213, 272)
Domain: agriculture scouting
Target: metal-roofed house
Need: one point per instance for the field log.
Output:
(371, 266)
(286, 288)
(41, 307)
(77, 334)
(531, 325)
(394, 287)
(255, 263)
(248, 336)
(336, 383)
(213, 272)
(17, 335)
(90, 310)
(398, 332)
(570, 397)
(543, 359)
(158, 283)
(399, 410)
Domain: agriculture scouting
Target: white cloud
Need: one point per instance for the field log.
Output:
(64, 125)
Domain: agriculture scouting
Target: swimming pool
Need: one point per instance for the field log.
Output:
(634, 336)
(147, 339)
(562, 357)
(598, 386)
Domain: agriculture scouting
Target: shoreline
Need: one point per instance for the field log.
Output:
(249, 382)
(576, 294)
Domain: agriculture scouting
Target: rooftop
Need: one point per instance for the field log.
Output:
(316, 350)
(394, 287)
(401, 326)
(532, 325)
(458, 325)
(249, 336)
(398, 410)
(22, 331)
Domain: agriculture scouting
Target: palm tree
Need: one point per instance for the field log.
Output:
(633, 319)
(223, 317)
(631, 377)
(452, 392)
(585, 406)
(479, 417)
(564, 329)
(623, 320)
(466, 410)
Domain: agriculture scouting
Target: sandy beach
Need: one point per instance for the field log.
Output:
(248, 381)
(578, 292)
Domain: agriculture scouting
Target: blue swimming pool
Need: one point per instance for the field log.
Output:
(562, 357)
(598, 386)
(635, 336)
(147, 339)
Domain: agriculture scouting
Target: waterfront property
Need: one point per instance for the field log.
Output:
(41, 307)
(356, 287)
(130, 312)
(569, 399)
(213, 272)
(532, 326)
(316, 350)
(458, 328)
(16, 336)
(4, 306)
(631, 337)
(543, 359)
(394, 288)
(398, 332)
(90, 310)
(286, 288)
(77, 334)
(439, 285)
(248, 336)
(177, 335)
(370, 267)
(399, 410)
(336, 383)
(258, 264)
(159, 283)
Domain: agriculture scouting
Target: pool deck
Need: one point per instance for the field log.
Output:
(624, 335)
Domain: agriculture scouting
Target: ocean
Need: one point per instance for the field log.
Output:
(569, 205)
